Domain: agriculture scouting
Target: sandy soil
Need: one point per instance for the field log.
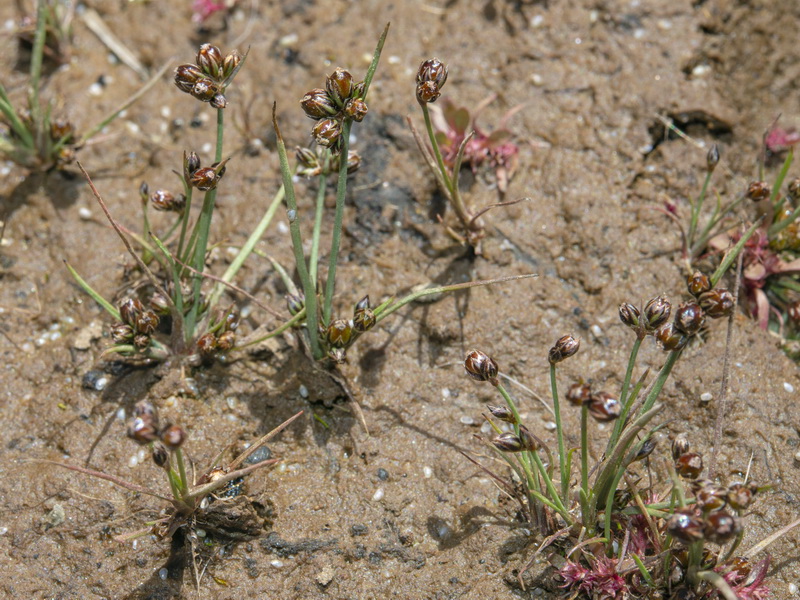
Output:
(397, 513)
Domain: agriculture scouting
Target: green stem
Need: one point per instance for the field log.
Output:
(731, 256)
(437, 153)
(320, 210)
(779, 226)
(341, 189)
(696, 206)
(36, 67)
(182, 471)
(625, 400)
(185, 222)
(585, 449)
(203, 227)
(660, 381)
(562, 456)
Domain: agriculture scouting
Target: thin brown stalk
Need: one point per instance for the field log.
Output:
(263, 440)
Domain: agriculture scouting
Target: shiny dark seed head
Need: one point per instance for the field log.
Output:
(164, 200)
(339, 333)
(353, 162)
(689, 465)
(339, 86)
(432, 70)
(710, 496)
(306, 158)
(147, 322)
(142, 430)
(481, 367)
(364, 320)
(294, 303)
(698, 283)
(712, 158)
(604, 407)
(318, 105)
(646, 449)
(173, 436)
(207, 344)
(209, 59)
(122, 333)
(720, 527)
(717, 303)
(141, 341)
(579, 394)
(191, 162)
(427, 92)
(186, 76)
(130, 310)
(740, 495)
(565, 347)
(685, 528)
(327, 132)
(758, 191)
(226, 341)
(656, 313)
(160, 454)
(508, 442)
(502, 413)
(229, 64)
(680, 446)
(218, 101)
(204, 90)
(629, 315)
(689, 318)
(204, 179)
(669, 338)
(356, 109)
(793, 189)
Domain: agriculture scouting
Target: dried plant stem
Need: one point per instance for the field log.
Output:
(100, 475)
(562, 455)
(722, 406)
(341, 192)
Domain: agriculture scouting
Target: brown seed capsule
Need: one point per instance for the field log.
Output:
(793, 189)
(629, 315)
(740, 568)
(130, 310)
(159, 304)
(306, 158)
(604, 407)
(709, 496)
(218, 101)
(232, 60)
(689, 318)
(685, 528)
(353, 162)
(173, 436)
(61, 130)
(160, 454)
(122, 333)
(719, 527)
(338, 355)
(226, 341)
(339, 333)
(717, 303)
(204, 179)
(646, 449)
(362, 304)
(147, 322)
(427, 92)
(793, 310)
(565, 347)
(191, 162)
(141, 341)
(622, 498)
(579, 393)
(758, 191)
(327, 132)
(204, 90)
(231, 319)
(186, 76)
(502, 413)
(689, 465)
(364, 320)
(698, 283)
(528, 441)
(209, 59)
(318, 105)
(207, 344)
(712, 158)
(669, 338)
(432, 70)
(142, 430)
(508, 442)
(339, 85)
(680, 446)
(166, 201)
(144, 191)
(481, 367)
(740, 495)
(656, 313)
(356, 109)
(147, 410)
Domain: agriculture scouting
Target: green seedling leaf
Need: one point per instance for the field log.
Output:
(109, 308)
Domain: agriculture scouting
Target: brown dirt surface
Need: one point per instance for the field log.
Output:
(398, 513)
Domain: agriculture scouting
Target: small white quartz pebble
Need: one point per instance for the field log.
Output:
(788, 387)
(378, 495)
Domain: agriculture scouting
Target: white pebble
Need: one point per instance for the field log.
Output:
(427, 472)
(550, 425)
(231, 402)
(394, 60)
(797, 457)
(84, 213)
(3, 530)
(133, 127)
(537, 20)
(121, 414)
(162, 574)
(170, 402)
(206, 148)
(466, 420)
(289, 39)
(141, 455)
(283, 227)
(166, 112)
(133, 461)
(537, 79)
(231, 418)
(788, 387)
(378, 495)
(701, 70)
(95, 89)
(486, 428)
(596, 331)
(277, 563)
(303, 391)
(792, 588)
(445, 393)
(706, 397)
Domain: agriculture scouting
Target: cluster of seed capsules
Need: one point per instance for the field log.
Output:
(162, 200)
(200, 177)
(689, 318)
(313, 163)
(220, 339)
(341, 99)
(341, 333)
(211, 74)
(138, 323)
(144, 428)
(707, 518)
(431, 77)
